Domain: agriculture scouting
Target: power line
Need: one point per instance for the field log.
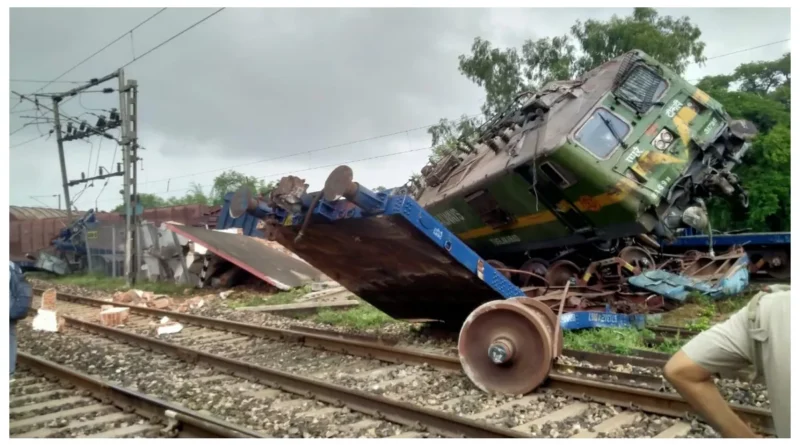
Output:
(98, 51)
(747, 49)
(175, 36)
(317, 167)
(47, 81)
(316, 150)
(164, 42)
(28, 141)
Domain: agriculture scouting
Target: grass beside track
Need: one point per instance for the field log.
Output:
(698, 314)
(109, 284)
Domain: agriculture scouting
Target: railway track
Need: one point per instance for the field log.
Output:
(584, 382)
(48, 400)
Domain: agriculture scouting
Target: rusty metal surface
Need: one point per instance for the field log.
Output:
(506, 346)
(18, 213)
(270, 265)
(392, 265)
(194, 423)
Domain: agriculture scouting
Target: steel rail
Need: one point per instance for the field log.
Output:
(619, 394)
(376, 406)
(192, 423)
(363, 348)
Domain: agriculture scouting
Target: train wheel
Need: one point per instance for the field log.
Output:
(499, 265)
(561, 272)
(506, 346)
(533, 265)
(637, 257)
(779, 266)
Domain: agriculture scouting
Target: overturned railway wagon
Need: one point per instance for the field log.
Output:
(579, 171)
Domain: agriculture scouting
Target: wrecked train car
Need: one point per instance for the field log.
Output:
(628, 149)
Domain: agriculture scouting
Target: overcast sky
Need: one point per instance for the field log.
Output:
(253, 84)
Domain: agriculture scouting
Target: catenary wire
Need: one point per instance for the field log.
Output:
(98, 51)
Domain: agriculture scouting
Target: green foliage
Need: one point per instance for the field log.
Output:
(447, 134)
(762, 97)
(363, 316)
(504, 73)
(229, 181)
(673, 42)
(109, 284)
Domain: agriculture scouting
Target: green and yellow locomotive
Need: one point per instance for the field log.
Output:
(627, 151)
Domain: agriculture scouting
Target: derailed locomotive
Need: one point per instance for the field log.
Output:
(577, 169)
(567, 174)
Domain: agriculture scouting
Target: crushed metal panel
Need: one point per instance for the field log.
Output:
(272, 266)
(392, 265)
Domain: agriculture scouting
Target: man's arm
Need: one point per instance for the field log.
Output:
(724, 346)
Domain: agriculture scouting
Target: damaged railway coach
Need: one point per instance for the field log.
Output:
(630, 148)
(567, 184)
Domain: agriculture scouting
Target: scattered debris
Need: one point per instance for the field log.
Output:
(168, 327)
(47, 320)
(160, 302)
(226, 294)
(114, 316)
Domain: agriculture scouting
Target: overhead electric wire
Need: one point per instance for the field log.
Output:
(28, 141)
(99, 51)
(316, 168)
(175, 36)
(316, 150)
(163, 43)
(747, 49)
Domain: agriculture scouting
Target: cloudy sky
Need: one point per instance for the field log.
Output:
(251, 85)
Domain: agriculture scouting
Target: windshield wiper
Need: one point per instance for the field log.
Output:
(613, 132)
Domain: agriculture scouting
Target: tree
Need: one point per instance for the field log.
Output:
(762, 96)
(504, 73)
(445, 136)
(231, 181)
(147, 200)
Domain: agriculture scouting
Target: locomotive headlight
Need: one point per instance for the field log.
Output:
(663, 139)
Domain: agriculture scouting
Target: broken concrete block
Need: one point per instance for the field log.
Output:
(116, 316)
(49, 300)
(129, 297)
(160, 302)
(46, 320)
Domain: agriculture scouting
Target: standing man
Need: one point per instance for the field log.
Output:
(756, 335)
(20, 295)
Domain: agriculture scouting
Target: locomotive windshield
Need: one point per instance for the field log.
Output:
(641, 88)
(602, 133)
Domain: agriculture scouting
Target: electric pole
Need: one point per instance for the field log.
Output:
(60, 141)
(126, 120)
(128, 115)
